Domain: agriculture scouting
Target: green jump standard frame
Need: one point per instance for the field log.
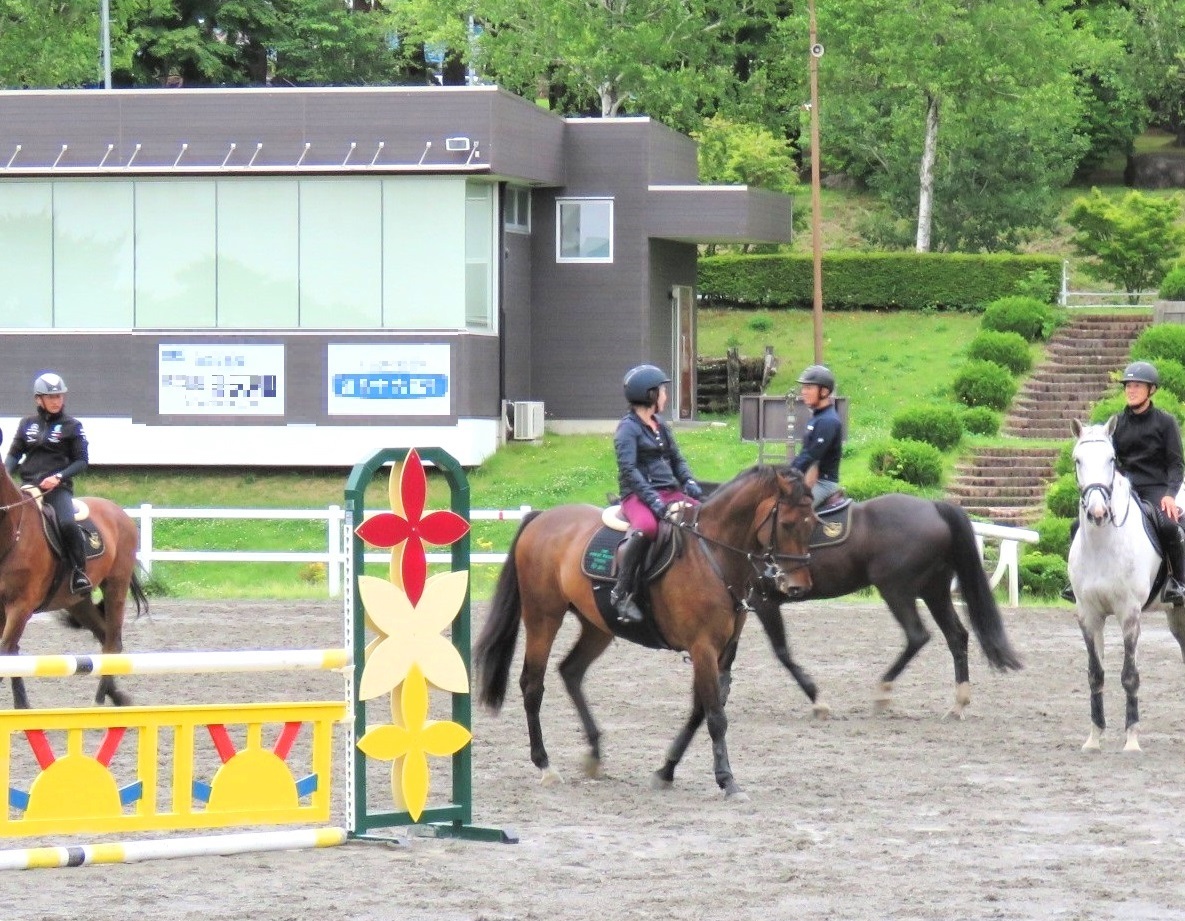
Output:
(454, 820)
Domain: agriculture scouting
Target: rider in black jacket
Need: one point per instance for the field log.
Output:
(652, 475)
(50, 449)
(1148, 452)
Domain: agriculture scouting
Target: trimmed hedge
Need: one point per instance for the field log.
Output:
(1173, 286)
(935, 425)
(1062, 498)
(857, 281)
(869, 487)
(1164, 340)
(1004, 348)
(1025, 316)
(984, 383)
(912, 461)
(1042, 575)
(1055, 535)
(981, 420)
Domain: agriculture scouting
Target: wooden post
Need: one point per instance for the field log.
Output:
(733, 380)
(769, 365)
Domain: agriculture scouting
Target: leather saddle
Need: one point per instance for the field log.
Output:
(835, 521)
(92, 540)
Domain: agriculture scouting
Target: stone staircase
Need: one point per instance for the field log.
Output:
(1007, 485)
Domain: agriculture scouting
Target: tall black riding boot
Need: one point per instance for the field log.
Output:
(76, 551)
(1068, 591)
(1174, 552)
(628, 569)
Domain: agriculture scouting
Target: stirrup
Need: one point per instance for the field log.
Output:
(628, 611)
(1174, 592)
(80, 584)
(1068, 593)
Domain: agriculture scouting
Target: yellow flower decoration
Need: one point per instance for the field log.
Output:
(410, 634)
(409, 745)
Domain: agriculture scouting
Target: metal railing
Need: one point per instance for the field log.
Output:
(333, 557)
(1101, 299)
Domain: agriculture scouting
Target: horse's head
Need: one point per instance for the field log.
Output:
(1094, 469)
(785, 524)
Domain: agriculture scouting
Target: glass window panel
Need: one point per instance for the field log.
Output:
(518, 209)
(26, 254)
(341, 226)
(584, 230)
(424, 246)
(479, 242)
(258, 253)
(175, 264)
(93, 254)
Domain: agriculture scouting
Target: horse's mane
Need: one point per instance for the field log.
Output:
(764, 474)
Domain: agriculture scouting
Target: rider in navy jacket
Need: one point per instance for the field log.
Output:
(823, 443)
(50, 449)
(652, 475)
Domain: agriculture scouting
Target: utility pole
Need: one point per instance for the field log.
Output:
(816, 51)
(105, 40)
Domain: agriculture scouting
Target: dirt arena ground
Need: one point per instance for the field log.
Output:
(870, 815)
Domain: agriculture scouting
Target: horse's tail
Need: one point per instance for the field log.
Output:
(495, 646)
(139, 596)
(977, 592)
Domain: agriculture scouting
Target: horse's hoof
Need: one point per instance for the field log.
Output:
(821, 711)
(882, 697)
(735, 794)
(1091, 745)
(550, 777)
(1133, 743)
(882, 704)
(658, 782)
(956, 713)
(592, 767)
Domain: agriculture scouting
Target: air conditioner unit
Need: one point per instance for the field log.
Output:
(528, 420)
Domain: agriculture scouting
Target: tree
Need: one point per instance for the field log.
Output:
(936, 100)
(1132, 242)
(49, 44)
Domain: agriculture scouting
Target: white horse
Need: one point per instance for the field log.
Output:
(1113, 566)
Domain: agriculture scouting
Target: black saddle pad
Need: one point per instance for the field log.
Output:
(92, 540)
(599, 563)
(834, 525)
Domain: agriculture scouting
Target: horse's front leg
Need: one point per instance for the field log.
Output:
(1131, 680)
(707, 692)
(1092, 633)
(769, 613)
(10, 646)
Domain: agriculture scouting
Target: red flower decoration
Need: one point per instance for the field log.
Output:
(408, 489)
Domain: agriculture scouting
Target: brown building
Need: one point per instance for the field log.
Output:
(302, 276)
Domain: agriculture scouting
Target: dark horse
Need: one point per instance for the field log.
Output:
(31, 579)
(738, 545)
(909, 548)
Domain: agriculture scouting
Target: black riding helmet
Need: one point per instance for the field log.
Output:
(819, 375)
(1142, 371)
(641, 384)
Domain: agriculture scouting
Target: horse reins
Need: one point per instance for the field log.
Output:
(765, 564)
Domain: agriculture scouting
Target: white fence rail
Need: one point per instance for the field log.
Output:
(1101, 299)
(333, 557)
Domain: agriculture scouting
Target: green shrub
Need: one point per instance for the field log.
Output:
(1172, 378)
(1025, 316)
(1165, 340)
(936, 425)
(869, 487)
(1055, 535)
(984, 383)
(876, 281)
(1062, 498)
(1042, 575)
(1173, 286)
(761, 323)
(1164, 399)
(1065, 457)
(1004, 348)
(912, 461)
(981, 420)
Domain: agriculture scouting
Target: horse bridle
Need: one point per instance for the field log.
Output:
(766, 564)
(1105, 489)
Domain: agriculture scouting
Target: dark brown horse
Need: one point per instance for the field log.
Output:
(32, 579)
(908, 548)
(747, 540)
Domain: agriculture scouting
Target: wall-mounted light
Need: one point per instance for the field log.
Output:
(458, 144)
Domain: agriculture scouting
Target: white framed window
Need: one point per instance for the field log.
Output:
(584, 230)
(517, 209)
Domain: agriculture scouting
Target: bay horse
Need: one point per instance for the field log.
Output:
(1115, 569)
(749, 538)
(32, 579)
(907, 548)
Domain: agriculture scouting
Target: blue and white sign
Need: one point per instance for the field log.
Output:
(215, 379)
(389, 379)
